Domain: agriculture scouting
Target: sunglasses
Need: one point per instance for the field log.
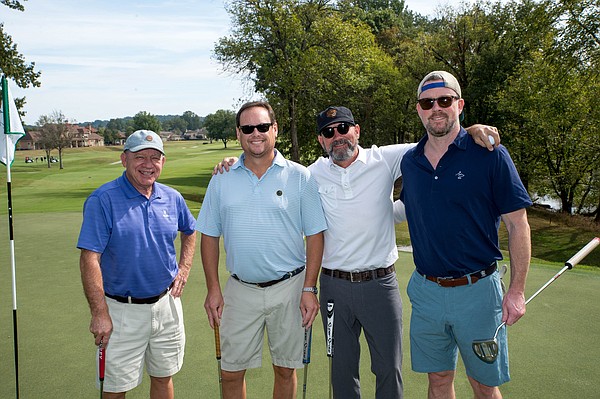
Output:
(263, 128)
(329, 131)
(443, 102)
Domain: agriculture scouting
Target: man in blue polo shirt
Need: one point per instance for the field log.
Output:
(456, 193)
(130, 274)
(263, 208)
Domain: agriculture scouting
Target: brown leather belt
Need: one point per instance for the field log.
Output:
(459, 281)
(137, 301)
(357, 277)
(272, 282)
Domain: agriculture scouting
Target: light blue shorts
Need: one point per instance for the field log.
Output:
(446, 320)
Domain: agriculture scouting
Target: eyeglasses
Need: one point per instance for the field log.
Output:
(263, 128)
(443, 102)
(329, 131)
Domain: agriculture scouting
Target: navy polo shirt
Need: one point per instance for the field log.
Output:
(454, 211)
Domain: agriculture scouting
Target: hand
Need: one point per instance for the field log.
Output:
(513, 307)
(309, 307)
(101, 326)
(224, 165)
(214, 308)
(482, 134)
(179, 283)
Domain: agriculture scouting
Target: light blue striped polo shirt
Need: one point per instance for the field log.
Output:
(263, 221)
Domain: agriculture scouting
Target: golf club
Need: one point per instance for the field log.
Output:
(218, 355)
(101, 366)
(330, 343)
(487, 349)
(306, 357)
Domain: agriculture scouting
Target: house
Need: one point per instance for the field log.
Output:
(84, 136)
(80, 136)
(30, 141)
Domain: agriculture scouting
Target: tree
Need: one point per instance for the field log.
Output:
(193, 121)
(54, 134)
(559, 121)
(145, 121)
(176, 124)
(303, 56)
(12, 63)
(221, 125)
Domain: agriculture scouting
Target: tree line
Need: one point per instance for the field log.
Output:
(528, 67)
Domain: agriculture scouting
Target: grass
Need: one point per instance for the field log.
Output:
(554, 348)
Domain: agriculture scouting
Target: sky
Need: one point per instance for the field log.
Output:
(104, 59)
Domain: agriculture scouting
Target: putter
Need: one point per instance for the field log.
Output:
(218, 356)
(101, 366)
(330, 344)
(487, 349)
(306, 357)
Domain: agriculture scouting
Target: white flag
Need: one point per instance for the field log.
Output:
(9, 138)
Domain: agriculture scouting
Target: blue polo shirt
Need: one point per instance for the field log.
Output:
(263, 221)
(135, 236)
(454, 211)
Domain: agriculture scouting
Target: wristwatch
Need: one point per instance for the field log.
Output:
(314, 290)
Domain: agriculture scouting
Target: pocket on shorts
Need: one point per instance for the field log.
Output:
(176, 309)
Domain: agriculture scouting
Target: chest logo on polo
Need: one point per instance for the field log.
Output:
(165, 214)
(460, 175)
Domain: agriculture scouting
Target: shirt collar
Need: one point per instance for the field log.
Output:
(279, 160)
(460, 142)
(132, 192)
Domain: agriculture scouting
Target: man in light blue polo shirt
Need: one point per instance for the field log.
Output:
(264, 208)
(130, 274)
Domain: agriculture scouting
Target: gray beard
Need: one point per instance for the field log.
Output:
(341, 155)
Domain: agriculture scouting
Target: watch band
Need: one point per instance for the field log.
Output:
(314, 290)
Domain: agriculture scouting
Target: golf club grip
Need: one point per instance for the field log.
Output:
(101, 362)
(583, 252)
(217, 342)
(330, 315)
(307, 345)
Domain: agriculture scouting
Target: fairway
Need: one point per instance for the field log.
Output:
(554, 348)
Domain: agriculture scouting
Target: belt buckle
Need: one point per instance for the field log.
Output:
(352, 280)
(439, 280)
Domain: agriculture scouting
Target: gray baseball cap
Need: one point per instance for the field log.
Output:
(143, 139)
(447, 80)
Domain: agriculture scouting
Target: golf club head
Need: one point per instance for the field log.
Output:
(486, 349)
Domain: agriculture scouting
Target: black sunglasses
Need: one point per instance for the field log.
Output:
(263, 128)
(443, 102)
(329, 131)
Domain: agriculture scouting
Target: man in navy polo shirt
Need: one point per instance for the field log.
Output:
(130, 274)
(456, 193)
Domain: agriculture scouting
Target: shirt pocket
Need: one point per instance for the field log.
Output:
(328, 196)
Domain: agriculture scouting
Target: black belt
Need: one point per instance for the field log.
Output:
(272, 282)
(137, 301)
(464, 280)
(357, 277)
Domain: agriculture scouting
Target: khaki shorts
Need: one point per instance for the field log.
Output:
(248, 310)
(151, 335)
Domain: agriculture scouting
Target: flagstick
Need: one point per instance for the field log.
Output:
(6, 108)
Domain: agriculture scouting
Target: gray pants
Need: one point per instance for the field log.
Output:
(376, 308)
